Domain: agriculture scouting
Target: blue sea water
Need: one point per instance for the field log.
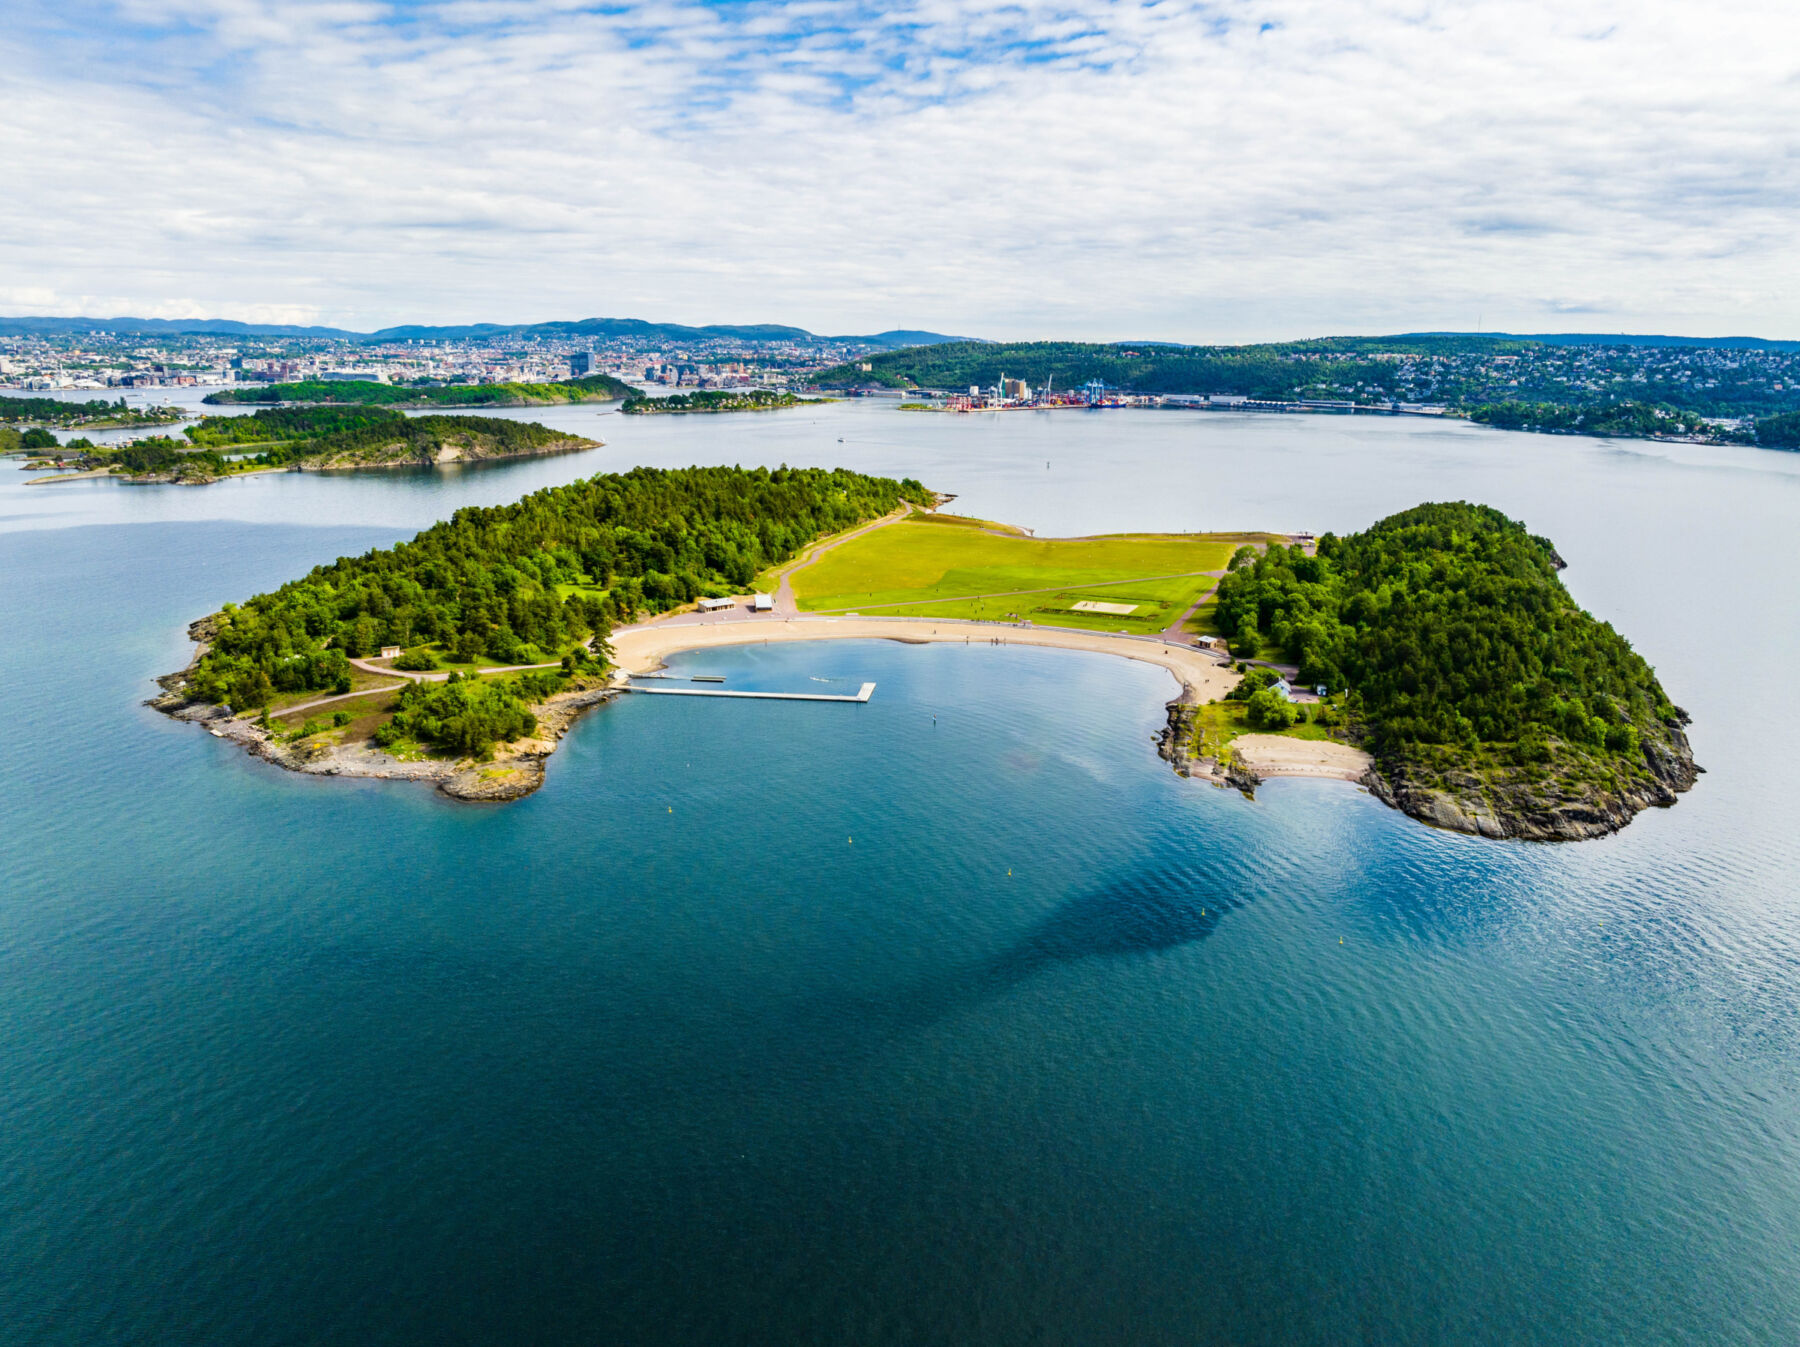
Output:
(787, 1022)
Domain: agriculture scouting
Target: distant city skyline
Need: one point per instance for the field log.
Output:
(1180, 171)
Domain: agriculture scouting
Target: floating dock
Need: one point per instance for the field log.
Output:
(862, 696)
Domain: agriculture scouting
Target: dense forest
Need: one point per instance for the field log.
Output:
(710, 400)
(286, 423)
(338, 438)
(1779, 432)
(525, 583)
(58, 411)
(592, 388)
(1634, 419)
(1450, 628)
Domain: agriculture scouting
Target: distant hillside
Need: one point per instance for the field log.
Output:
(1631, 339)
(221, 327)
(1276, 371)
(1512, 382)
(604, 329)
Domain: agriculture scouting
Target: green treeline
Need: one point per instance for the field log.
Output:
(1274, 371)
(521, 583)
(351, 437)
(401, 437)
(1635, 419)
(1779, 432)
(593, 388)
(710, 400)
(286, 423)
(73, 413)
(469, 715)
(1449, 625)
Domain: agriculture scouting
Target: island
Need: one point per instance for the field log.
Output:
(311, 439)
(713, 400)
(1435, 658)
(92, 415)
(366, 393)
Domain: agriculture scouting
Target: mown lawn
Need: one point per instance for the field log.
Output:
(937, 566)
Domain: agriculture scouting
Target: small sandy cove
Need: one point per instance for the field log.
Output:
(642, 649)
(1277, 755)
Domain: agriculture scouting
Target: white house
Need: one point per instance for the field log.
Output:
(762, 603)
(390, 652)
(1283, 688)
(714, 605)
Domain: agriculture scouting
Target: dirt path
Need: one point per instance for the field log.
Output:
(785, 603)
(336, 697)
(1174, 632)
(421, 676)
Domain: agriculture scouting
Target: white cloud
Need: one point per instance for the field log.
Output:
(1235, 170)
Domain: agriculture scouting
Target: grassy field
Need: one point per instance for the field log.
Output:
(948, 566)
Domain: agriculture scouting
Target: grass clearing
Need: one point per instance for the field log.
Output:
(950, 566)
(1216, 724)
(365, 712)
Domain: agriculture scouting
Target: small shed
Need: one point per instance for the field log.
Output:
(390, 652)
(762, 603)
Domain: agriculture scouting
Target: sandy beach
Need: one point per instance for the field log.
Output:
(1268, 755)
(643, 649)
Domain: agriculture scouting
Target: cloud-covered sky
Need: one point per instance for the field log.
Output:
(1181, 169)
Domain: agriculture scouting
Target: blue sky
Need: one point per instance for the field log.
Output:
(1210, 171)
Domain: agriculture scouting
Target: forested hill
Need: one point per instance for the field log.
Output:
(1274, 371)
(524, 582)
(1617, 389)
(1493, 702)
(592, 388)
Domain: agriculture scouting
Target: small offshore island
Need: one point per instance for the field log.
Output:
(1435, 658)
(368, 393)
(714, 400)
(309, 439)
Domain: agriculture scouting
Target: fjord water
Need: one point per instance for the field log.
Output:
(802, 1023)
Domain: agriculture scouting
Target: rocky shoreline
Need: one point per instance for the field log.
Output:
(1515, 808)
(516, 769)
(1535, 811)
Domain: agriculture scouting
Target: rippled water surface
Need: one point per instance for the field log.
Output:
(819, 1023)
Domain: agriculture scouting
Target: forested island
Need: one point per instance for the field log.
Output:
(91, 415)
(317, 439)
(1491, 701)
(1455, 675)
(591, 388)
(711, 400)
(540, 582)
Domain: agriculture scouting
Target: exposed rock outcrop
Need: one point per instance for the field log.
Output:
(1537, 809)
